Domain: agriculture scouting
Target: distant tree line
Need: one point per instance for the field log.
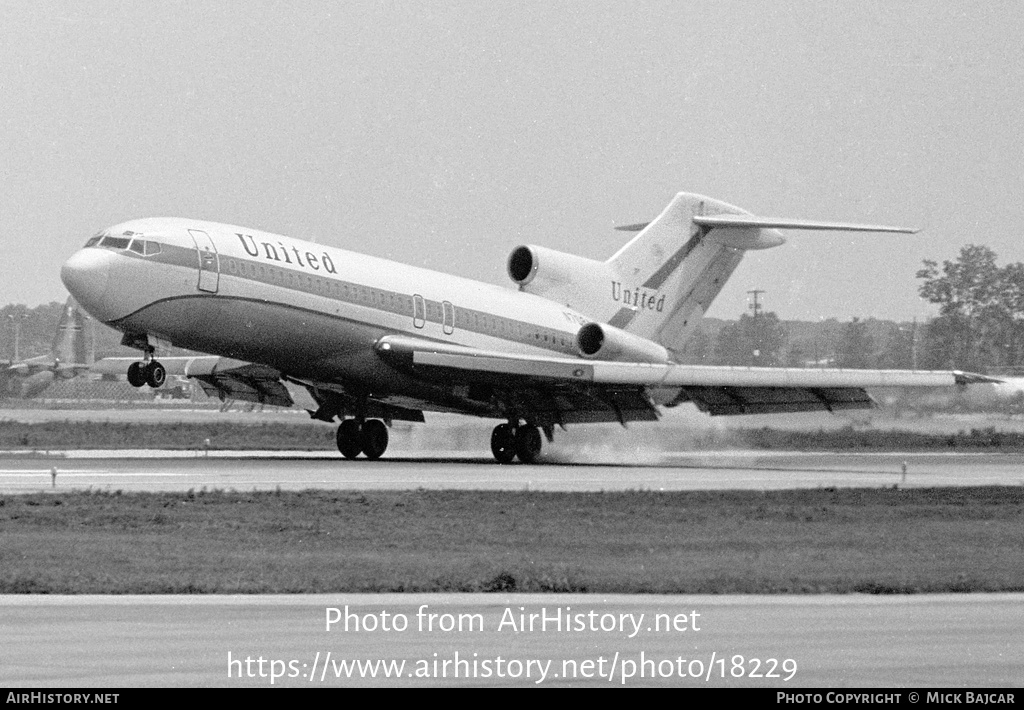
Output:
(766, 341)
(980, 327)
(34, 329)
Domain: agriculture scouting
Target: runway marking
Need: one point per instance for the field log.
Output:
(80, 474)
(36, 471)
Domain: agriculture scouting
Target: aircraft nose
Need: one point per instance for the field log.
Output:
(86, 275)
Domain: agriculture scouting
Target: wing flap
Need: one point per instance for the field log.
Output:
(245, 381)
(719, 401)
(246, 389)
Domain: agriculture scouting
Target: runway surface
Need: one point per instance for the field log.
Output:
(181, 471)
(971, 641)
(681, 419)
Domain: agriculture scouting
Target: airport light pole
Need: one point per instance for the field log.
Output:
(756, 305)
(756, 308)
(16, 322)
(90, 333)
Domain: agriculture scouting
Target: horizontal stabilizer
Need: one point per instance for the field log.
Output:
(741, 221)
(633, 227)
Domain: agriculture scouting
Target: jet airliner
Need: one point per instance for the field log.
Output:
(66, 359)
(375, 341)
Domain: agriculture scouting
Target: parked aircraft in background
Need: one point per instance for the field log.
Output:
(66, 359)
(374, 341)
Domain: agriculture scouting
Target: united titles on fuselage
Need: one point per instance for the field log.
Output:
(280, 253)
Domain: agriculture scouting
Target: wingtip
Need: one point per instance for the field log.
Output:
(973, 378)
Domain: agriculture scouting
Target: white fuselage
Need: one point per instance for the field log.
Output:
(314, 312)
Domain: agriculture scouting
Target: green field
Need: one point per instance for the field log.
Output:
(809, 541)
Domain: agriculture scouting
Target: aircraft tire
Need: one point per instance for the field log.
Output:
(349, 438)
(156, 375)
(503, 443)
(528, 443)
(136, 374)
(374, 438)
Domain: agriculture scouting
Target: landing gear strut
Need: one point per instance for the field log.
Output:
(509, 441)
(369, 438)
(150, 373)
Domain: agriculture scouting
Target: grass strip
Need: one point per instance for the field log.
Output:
(801, 541)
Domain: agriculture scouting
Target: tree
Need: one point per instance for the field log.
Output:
(698, 349)
(897, 351)
(981, 311)
(752, 340)
(856, 348)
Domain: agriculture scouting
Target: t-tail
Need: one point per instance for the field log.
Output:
(659, 285)
(66, 358)
(69, 340)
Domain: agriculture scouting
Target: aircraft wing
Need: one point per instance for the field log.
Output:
(226, 378)
(568, 389)
(218, 376)
(31, 366)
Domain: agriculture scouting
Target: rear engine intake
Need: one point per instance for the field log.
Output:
(598, 341)
(549, 267)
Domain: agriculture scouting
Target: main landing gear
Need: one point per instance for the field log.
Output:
(509, 441)
(150, 373)
(369, 437)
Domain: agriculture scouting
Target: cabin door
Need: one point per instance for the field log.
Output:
(209, 261)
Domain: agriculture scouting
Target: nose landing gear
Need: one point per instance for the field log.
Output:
(369, 438)
(150, 373)
(509, 441)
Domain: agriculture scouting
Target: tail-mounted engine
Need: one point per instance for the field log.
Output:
(576, 281)
(605, 342)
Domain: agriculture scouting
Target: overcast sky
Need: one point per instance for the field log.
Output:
(445, 134)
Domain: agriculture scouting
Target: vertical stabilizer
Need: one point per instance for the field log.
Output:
(69, 340)
(666, 277)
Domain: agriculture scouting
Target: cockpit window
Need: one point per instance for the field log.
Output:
(93, 241)
(115, 242)
(146, 247)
